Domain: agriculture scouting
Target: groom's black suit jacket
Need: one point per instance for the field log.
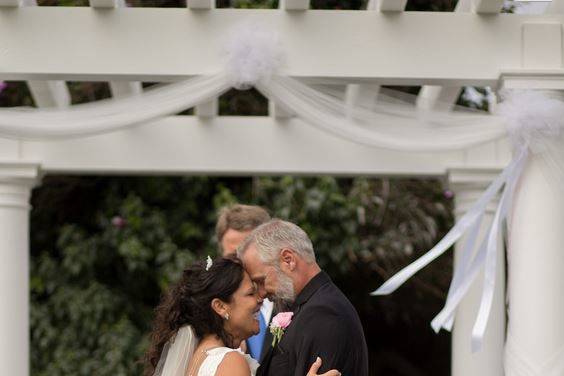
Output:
(324, 324)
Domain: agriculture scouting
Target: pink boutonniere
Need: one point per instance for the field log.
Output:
(279, 324)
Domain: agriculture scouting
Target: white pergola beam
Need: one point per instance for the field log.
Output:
(294, 4)
(118, 88)
(438, 97)
(357, 93)
(200, 4)
(363, 48)
(464, 6)
(50, 93)
(47, 93)
(488, 6)
(10, 3)
(363, 96)
(208, 109)
(533, 79)
(125, 89)
(390, 5)
(441, 97)
(279, 111)
(104, 4)
(555, 6)
(189, 145)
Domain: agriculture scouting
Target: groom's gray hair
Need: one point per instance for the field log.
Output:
(273, 236)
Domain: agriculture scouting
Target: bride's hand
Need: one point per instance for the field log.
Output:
(315, 367)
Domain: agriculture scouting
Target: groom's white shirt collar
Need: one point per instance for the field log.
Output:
(266, 310)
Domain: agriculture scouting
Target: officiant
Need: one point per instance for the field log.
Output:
(233, 225)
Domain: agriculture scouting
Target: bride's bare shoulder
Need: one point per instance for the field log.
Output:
(233, 364)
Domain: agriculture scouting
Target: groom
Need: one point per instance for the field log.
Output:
(279, 257)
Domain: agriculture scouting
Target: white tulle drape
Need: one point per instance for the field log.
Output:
(111, 114)
(391, 125)
(388, 124)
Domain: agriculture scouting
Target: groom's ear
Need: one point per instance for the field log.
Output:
(287, 260)
(219, 307)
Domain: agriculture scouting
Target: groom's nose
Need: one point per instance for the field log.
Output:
(262, 292)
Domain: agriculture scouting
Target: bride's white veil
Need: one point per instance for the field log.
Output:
(177, 353)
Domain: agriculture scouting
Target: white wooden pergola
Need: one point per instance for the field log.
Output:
(474, 46)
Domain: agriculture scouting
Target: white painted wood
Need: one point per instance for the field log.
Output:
(488, 6)
(468, 185)
(118, 88)
(293, 4)
(104, 4)
(208, 109)
(125, 89)
(390, 5)
(438, 97)
(555, 7)
(361, 95)
(542, 62)
(546, 55)
(441, 97)
(279, 111)
(464, 6)
(367, 96)
(16, 181)
(9, 149)
(200, 4)
(47, 93)
(50, 93)
(189, 145)
(10, 3)
(549, 79)
(535, 337)
(364, 45)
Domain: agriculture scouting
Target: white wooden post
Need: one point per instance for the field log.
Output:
(535, 336)
(16, 181)
(468, 185)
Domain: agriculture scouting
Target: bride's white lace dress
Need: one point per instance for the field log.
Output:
(215, 356)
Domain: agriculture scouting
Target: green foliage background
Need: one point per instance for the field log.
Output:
(105, 248)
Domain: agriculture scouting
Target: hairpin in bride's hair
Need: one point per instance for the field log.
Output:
(209, 263)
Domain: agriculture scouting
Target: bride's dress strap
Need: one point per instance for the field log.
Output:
(215, 356)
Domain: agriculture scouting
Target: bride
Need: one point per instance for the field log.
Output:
(203, 319)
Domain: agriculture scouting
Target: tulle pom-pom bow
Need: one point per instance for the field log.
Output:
(253, 54)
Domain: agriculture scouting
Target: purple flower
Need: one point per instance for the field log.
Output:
(3, 85)
(119, 222)
(448, 194)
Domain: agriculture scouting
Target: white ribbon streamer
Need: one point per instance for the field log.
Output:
(445, 318)
(468, 269)
(491, 256)
(460, 275)
(459, 229)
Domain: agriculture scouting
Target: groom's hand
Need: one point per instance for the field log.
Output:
(315, 367)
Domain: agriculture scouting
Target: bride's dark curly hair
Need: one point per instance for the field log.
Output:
(188, 302)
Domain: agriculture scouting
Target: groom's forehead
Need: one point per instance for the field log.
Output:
(252, 262)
